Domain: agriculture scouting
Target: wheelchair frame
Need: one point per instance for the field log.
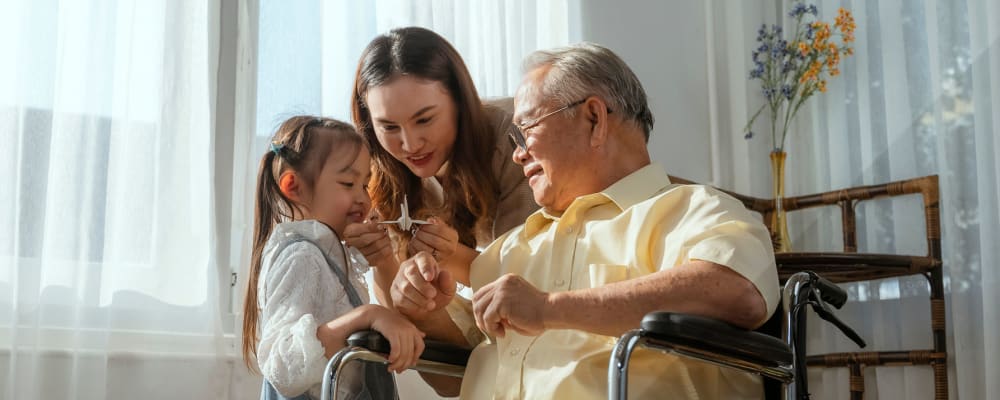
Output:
(692, 336)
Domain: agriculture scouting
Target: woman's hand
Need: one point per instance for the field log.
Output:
(405, 340)
(436, 238)
(373, 241)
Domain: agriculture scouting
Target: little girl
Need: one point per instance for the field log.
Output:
(306, 290)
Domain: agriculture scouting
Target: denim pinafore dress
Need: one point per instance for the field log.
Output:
(379, 383)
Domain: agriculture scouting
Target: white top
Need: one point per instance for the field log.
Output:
(296, 292)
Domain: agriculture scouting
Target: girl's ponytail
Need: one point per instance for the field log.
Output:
(266, 216)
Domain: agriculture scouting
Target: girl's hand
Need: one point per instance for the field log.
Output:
(436, 238)
(405, 340)
(373, 241)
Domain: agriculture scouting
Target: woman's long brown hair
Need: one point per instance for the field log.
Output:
(301, 144)
(470, 189)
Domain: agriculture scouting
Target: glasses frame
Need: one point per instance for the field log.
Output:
(517, 132)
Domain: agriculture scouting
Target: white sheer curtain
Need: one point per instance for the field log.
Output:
(920, 96)
(308, 51)
(108, 281)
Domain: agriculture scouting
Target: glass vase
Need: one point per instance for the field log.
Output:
(778, 225)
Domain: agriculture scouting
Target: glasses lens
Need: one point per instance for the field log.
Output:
(517, 137)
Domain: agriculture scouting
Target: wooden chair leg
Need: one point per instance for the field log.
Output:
(857, 382)
(940, 380)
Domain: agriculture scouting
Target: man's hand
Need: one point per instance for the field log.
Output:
(373, 242)
(421, 287)
(510, 302)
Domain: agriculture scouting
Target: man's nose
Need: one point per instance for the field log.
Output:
(520, 155)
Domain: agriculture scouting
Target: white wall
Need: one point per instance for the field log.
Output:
(664, 42)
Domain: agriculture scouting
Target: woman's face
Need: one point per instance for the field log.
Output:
(415, 120)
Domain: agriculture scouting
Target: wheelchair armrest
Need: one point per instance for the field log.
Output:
(434, 350)
(715, 336)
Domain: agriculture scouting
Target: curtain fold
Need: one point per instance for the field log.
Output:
(107, 273)
(919, 97)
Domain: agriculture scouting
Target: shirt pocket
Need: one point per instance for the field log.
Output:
(603, 274)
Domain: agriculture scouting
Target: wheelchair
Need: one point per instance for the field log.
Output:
(782, 360)
(370, 346)
(717, 342)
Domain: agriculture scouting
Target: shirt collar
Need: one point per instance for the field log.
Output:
(317, 232)
(638, 186)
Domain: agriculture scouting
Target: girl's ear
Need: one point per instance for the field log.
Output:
(288, 183)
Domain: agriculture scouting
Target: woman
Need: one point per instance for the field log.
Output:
(436, 145)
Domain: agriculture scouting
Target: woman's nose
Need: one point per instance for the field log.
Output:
(412, 141)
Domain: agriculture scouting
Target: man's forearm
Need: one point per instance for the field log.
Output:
(698, 287)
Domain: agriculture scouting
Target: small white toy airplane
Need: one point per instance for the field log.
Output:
(405, 222)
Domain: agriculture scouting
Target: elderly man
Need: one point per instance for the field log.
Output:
(613, 241)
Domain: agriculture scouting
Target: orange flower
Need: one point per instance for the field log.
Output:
(845, 23)
(803, 48)
(821, 86)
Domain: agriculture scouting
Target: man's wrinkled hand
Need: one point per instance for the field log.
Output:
(510, 302)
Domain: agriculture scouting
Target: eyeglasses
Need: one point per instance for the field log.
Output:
(516, 132)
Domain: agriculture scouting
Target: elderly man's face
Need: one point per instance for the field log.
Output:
(558, 160)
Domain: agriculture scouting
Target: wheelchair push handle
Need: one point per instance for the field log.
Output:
(826, 293)
(829, 291)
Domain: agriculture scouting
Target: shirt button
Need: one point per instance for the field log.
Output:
(559, 282)
(514, 351)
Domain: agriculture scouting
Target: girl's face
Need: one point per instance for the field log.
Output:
(415, 120)
(340, 195)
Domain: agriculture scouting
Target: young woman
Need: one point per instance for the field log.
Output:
(435, 144)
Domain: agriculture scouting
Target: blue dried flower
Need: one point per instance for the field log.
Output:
(786, 67)
(786, 90)
(798, 10)
(778, 48)
(749, 135)
(769, 93)
(813, 10)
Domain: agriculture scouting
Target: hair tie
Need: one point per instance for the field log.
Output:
(276, 148)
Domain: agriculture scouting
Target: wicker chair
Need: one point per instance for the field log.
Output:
(851, 266)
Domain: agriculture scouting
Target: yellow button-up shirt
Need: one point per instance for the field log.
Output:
(639, 225)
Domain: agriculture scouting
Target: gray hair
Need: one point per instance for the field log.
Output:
(587, 69)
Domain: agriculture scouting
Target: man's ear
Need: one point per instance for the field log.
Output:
(596, 111)
(290, 186)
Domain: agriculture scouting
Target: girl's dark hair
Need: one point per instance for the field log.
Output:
(301, 144)
(470, 189)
